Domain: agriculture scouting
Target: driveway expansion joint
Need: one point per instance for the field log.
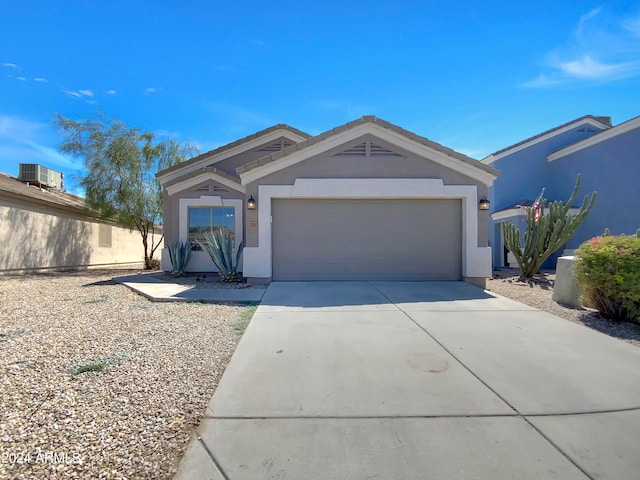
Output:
(212, 458)
(560, 428)
(518, 414)
(427, 416)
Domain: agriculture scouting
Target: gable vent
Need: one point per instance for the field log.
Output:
(210, 189)
(356, 151)
(587, 129)
(367, 149)
(276, 147)
(377, 151)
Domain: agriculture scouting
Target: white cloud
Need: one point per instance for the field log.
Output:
(150, 91)
(602, 48)
(79, 93)
(111, 92)
(72, 93)
(591, 69)
(584, 20)
(41, 79)
(10, 65)
(632, 25)
(22, 79)
(541, 80)
(26, 141)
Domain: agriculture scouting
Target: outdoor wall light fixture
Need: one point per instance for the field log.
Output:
(251, 203)
(484, 204)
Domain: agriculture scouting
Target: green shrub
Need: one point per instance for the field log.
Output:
(152, 264)
(608, 270)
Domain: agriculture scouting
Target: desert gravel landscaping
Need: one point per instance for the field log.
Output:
(148, 373)
(98, 382)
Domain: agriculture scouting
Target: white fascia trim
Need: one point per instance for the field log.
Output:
(493, 158)
(476, 261)
(203, 177)
(198, 262)
(382, 133)
(595, 139)
(521, 212)
(237, 150)
(512, 212)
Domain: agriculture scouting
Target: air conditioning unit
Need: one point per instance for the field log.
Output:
(39, 175)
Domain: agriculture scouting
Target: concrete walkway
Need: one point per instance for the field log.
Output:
(360, 380)
(158, 290)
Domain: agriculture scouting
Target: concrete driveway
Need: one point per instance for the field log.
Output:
(439, 380)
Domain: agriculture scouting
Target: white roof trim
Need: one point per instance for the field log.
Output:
(521, 212)
(237, 150)
(512, 212)
(595, 139)
(203, 177)
(385, 134)
(493, 158)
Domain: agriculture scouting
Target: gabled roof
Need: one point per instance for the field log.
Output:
(352, 130)
(602, 123)
(14, 188)
(199, 176)
(597, 138)
(234, 148)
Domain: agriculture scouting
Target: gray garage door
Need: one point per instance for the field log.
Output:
(367, 239)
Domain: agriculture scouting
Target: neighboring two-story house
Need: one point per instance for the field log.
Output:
(607, 157)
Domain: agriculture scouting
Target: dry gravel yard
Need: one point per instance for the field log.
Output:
(537, 293)
(162, 362)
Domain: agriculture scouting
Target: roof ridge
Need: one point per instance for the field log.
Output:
(606, 121)
(605, 134)
(235, 143)
(352, 124)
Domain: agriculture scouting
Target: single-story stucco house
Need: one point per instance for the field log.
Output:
(367, 200)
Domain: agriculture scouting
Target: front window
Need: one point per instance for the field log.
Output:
(207, 219)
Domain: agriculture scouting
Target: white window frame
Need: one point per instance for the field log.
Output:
(200, 261)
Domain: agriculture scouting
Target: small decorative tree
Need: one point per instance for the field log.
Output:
(545, 232)
(120, 163)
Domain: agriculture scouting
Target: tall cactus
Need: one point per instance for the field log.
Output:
(545, 233)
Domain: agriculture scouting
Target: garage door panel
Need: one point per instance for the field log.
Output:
(367, 239)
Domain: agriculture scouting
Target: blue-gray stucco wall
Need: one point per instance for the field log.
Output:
(611, 168)
(524, 173)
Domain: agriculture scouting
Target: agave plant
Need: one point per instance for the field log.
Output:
(219, 245)
(179, 254)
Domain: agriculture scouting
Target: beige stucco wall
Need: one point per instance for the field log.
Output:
(33, 237)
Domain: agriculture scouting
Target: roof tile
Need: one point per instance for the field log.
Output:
(354, 123)
(231, 145)
(604, 120)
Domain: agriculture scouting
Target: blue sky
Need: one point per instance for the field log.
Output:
(474, 76)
